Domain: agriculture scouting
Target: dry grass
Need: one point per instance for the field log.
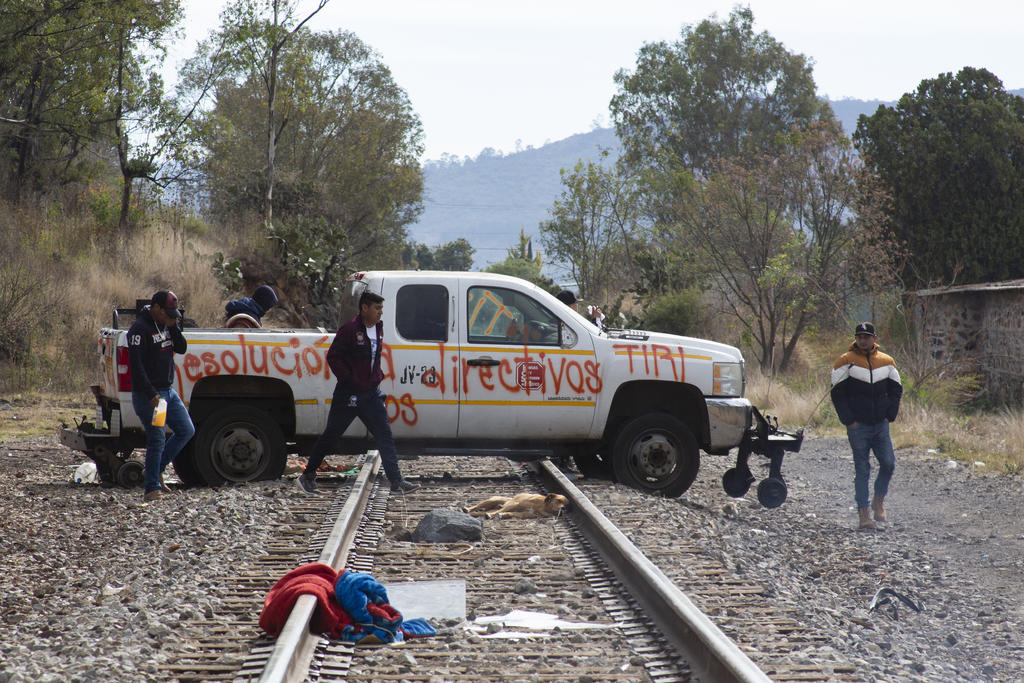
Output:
(40, 414)
(801, 399)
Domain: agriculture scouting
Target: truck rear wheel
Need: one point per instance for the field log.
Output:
(239, 444)
(185, 465)
(656, 453)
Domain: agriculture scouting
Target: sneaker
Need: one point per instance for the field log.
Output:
(404, 485)
(153, 496)
(307, 484)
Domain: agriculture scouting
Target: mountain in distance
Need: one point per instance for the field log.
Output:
(489, 199)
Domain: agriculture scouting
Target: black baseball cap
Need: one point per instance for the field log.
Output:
(566, 297)
(864, 328)
(168, 301)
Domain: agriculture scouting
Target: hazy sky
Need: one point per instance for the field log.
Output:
(493, 73)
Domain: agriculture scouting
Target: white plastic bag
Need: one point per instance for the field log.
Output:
(86, 473)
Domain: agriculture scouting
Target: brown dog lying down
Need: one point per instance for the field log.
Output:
(522, 505)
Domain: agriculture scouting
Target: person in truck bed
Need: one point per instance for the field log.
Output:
(240, 312)
(153, 339)
(354, 358)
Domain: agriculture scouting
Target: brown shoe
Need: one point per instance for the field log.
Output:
(164, 487)
(865, 518)
(153, 496)
(878, 508)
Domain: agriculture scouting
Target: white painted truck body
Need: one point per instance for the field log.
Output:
(472, 362)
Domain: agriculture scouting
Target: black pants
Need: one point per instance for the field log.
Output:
(371, 410)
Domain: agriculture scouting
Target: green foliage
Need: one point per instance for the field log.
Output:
(103, 205)
(54, 79)
(952, 154)
(454, 256)
(676, 313)
(227, 271)
(80, 81)
(664, 268)
(593, 227)
(522, 263)
(417, 256)
(525, 270)
(347, 175)
(941, 390)
(720, 90)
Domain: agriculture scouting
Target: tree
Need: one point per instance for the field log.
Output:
(775, 234)
(455, 255)
(417, 256)
(348, 177)
(952, 155)
(592, 228)
(259, 32)
(521, 262)
(54, 61)
(136, 99)
(720, 90)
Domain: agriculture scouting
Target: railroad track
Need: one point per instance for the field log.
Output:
(579, 567)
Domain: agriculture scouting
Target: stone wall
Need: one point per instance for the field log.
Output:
(977, 328)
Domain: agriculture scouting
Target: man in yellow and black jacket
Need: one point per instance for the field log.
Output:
(866, 392)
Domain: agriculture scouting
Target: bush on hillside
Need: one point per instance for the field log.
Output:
(675, 313)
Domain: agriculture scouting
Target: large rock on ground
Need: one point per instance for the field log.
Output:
(447, 526)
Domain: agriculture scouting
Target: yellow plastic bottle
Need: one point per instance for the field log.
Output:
(160, 413)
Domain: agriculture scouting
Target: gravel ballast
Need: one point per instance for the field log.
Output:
(94, 584)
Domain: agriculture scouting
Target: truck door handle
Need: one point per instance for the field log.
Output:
(483, 362)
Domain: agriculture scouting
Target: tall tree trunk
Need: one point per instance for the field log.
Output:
(268, 198)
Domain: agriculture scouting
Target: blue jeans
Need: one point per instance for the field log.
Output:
(371, 410)
(865, 438)
(160, 451)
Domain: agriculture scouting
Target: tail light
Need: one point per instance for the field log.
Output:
(124, 375)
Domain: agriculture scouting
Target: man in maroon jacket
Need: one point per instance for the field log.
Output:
(354, 358)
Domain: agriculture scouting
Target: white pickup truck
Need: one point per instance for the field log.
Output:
(474, 364)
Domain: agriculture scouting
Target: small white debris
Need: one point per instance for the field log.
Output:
(951, 464)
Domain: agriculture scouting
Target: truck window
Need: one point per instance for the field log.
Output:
(503, 316)
(421, 312)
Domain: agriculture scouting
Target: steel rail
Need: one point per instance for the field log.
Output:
(290, 658)
(711, 654)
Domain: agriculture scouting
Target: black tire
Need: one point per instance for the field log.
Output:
(185, 465)
(656, 453)
(130, 474)
(239, 444)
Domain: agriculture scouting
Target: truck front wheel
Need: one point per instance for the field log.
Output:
(239, 444)
(656, 453)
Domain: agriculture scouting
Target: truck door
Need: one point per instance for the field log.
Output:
(422, 402)
(527, 373)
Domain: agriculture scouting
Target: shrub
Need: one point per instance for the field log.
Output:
(675, 313)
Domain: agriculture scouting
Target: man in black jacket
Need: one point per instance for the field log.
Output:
(153, 340)
(866, 391)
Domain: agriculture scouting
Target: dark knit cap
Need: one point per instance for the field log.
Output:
(265, 297)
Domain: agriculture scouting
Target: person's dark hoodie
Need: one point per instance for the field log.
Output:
(263, 299)
(151, 350)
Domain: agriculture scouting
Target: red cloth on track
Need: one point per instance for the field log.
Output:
(315, 578)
